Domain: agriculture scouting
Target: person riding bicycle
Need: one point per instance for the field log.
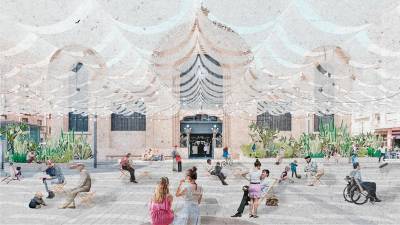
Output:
(369, 186)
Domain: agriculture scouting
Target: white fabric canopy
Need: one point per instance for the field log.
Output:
(279, 56)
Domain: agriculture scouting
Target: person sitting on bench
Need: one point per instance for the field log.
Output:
(85, 184)
(55, 176)
(369, 186)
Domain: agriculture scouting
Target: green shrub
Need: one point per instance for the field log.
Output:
(317, 155)
(247, 151)
(18, 157)
(363, 152)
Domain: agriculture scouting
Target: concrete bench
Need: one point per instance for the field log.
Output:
(110, 157)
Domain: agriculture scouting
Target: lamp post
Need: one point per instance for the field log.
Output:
(188, 130)
(3, 142)
(214, 131)
(95, 141)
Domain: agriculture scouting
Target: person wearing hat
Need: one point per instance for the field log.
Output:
(310, 169)
(84, 185)
(55, 177)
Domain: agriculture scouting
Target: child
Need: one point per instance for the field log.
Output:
(293, 168)
(179, 161)
(284, 174)
(354, 159)
(37, 201)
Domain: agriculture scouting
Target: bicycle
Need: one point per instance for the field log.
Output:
(227, 162)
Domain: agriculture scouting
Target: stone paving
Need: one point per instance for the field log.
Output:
(119, 202)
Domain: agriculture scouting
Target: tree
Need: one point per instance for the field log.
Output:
(10, 132)
(263, 135)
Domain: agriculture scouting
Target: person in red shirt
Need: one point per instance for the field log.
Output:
(179, 161)
(126, 165)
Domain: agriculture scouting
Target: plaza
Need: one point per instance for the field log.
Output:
(159, 112)
(119, 202)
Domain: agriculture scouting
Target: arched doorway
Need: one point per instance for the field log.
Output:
(201, 134)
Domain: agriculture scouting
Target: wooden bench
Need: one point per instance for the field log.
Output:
(86, 197)
(59, 188)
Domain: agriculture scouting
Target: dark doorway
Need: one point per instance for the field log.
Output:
(200, 146)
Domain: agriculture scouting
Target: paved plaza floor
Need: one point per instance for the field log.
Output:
(117, 201)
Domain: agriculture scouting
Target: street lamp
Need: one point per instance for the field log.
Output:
(214, 131)
(188, 130)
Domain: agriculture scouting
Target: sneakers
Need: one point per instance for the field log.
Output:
(51, 195)
(134, 181)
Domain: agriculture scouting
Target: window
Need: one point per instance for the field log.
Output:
(134, 122)
(77, 122)
(39, 122)
(24, 120)
(281, 122)
(324, 119)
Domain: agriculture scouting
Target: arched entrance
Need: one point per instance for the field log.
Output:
(201, 134)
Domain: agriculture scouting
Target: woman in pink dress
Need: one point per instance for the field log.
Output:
(160, 205)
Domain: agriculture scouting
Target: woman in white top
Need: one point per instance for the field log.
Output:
(192, 193)
(255, 188)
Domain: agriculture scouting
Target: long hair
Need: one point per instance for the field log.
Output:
(162, 190)
(192, 174)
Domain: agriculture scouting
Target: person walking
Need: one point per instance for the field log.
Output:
(160, 205)
(173, 154)
(254, 188)
(84, 185)
(126, 165)
(382, 149)
(192, 194)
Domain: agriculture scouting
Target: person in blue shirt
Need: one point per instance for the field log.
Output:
(225, 153)
(354, 159)
(293, 168)
(55, 177)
